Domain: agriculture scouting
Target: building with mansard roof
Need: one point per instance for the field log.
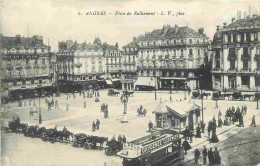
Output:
(80, 66)
(27, 67)
(169, 58)
(236, 55)
(129, 63)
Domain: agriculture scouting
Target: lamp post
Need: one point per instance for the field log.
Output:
(185, 97)
(124, 99)
(257, 94)
(155, 95)
(40, 113)
(202, 110)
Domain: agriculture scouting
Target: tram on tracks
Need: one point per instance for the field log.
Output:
(162, 148)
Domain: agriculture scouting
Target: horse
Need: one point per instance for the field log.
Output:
(101, 141)
(65, 134)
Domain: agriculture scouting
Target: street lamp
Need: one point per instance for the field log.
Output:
(155, 95)
(257, 94)
(186, 87)
(40, 113)
(202, 110)
(124, 99)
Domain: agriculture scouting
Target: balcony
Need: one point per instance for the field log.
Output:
(232, 57)
(232, 70)
(245, 70)
(78, 64)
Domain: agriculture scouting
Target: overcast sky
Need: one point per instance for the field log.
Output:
(58, 20)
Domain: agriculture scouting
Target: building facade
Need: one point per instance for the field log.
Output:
(129, 63)
(80, 67)
(27, 67)
(236, 55)
(168, 58)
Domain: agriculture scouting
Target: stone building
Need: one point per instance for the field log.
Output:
(27, 67)
(236, 55)
(169, 58)
(80, 66)
(129, 63)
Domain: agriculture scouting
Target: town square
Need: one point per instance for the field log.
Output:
(173, 93)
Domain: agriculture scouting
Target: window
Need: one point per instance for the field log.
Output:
(36, 62)
(242, 37)
(32, 82)
(167, 42)
(190, 41)
(40, 81)
(234, 38)
(248, 37)
(229, 38)
(232, 64)
(27, 61)
(182, 41)
(245, 80)
(43, 61)
(23, 82)
(154, 43)
(175, 42)
(14, 83)
(181, 51)
(148, 43)
(115, 54)
(198, 51)
(245, 51)
(245, 65)
(190, 52)
(217, 80)
(217, 59)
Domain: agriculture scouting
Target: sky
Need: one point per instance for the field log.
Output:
(58, 20)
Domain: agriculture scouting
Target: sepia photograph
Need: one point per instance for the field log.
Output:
(130, 83)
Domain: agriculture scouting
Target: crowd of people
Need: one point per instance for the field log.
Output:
(213, 156)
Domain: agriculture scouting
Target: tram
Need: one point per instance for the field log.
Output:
(162, 148)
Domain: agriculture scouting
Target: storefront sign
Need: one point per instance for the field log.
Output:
(130, 146)
(158, 144)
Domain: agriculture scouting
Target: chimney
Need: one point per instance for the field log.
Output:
(224, 25)
(233, 19)
(201, 31)
(116, 44)
(176, 28)
(18, 39)
(218, 28)
(134, 38)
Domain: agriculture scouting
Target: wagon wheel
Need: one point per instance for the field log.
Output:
(108, 151)
(231, 98)
(87, 146)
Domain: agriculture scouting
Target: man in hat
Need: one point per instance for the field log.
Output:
(217, 158)
(150, 125)
(196, 156)
(210, 156)
(93, 126)
(97, 124)
(205, 153)
(253, 121)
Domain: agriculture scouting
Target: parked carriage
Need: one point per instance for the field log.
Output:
(217, 96)
(129, 93)
(248, 96)
(80, 140)
(112, 92)
(195, 95)
(113, 147)
(236, 96)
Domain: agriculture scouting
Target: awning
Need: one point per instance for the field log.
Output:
(115, 79)
(173, 78)
(146, 81)
(109, 82)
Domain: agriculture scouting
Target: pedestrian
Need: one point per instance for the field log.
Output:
(210, 156)
(85, 104)
(214, 119)
(198, 132)
(253, 121)
(220, 122)
(170, 98)
(93, 126)
(245, 107)
(241, 120)
(186, 146)
(205, 153)
(97, 124)
(209, 128)
(56, 104)
(214, 137)
(124, 139)
(150, 125)
(120, 139)
(67, 108)
(242, 110)
(196, 156)
(217, 158)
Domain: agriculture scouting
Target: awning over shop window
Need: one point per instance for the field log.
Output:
(173, 78)
(146, 81)
(109, 82)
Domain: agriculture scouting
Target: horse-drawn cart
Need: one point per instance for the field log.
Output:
(112, 92)
(113, 147)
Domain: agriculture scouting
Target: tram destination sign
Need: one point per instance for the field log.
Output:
(159, 143)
